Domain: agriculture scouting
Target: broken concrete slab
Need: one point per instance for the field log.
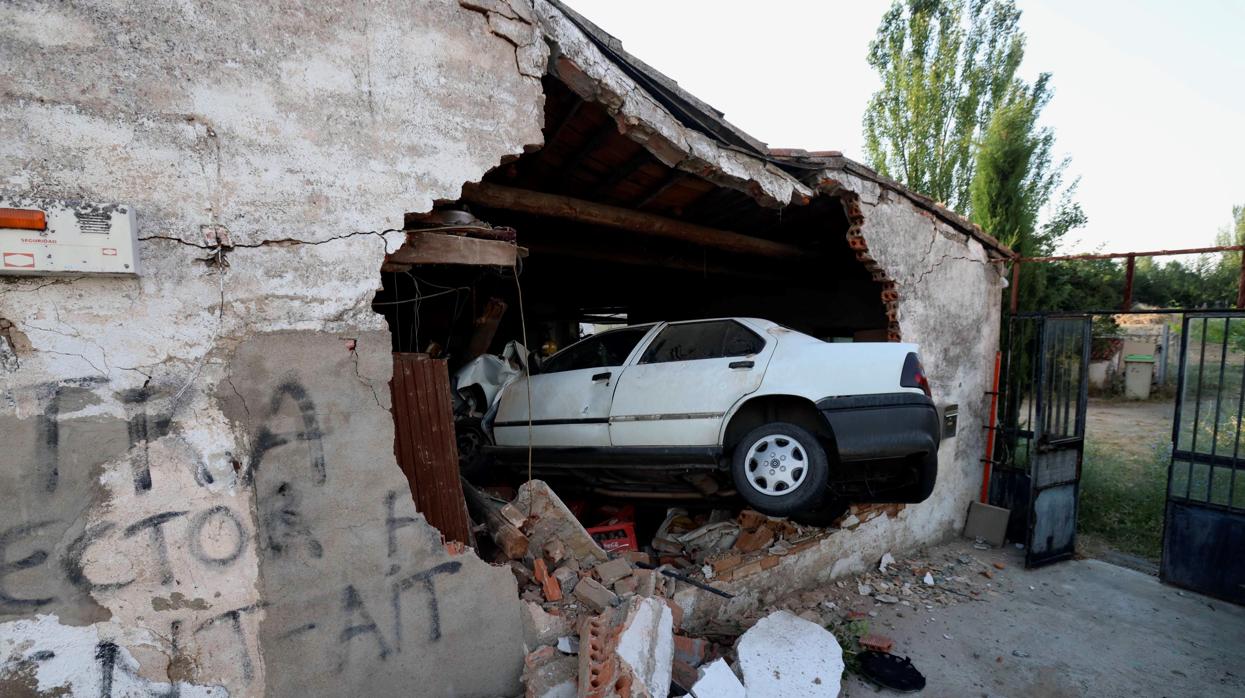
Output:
(646, 645)
(627, 651)
(718, 681)
(784, 656)
(548, 519)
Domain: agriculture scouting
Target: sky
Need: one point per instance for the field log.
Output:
(1149, 95)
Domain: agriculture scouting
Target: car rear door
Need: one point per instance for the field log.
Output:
(687, 378)
(570, 395)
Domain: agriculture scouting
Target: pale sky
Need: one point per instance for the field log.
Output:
(1149, 94)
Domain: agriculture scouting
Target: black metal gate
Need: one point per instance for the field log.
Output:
(1204, 524)
(1043, 432)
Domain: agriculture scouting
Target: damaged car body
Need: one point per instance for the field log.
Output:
(793, 425)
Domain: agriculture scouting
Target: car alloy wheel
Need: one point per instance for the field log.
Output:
(776, 465)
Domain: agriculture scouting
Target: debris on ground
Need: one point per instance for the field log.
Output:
(785, 656)
(604, 623)
(718, 681)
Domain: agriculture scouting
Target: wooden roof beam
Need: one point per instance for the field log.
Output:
(568, 208)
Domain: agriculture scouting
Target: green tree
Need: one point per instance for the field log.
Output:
(1014, 179)
(946, 65)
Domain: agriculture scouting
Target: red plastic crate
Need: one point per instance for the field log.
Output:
(615, 537)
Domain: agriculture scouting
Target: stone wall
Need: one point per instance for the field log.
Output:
(198, 475)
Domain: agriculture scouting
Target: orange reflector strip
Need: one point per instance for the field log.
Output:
(23, 218)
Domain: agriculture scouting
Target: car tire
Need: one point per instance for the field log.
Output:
(799, 480)
(471, 439)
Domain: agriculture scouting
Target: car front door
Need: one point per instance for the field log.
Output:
(570, 395)
(687, 378)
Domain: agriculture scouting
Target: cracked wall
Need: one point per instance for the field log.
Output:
(198, 474)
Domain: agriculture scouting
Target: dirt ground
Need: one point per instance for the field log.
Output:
(1130, 427)
(1076, 628)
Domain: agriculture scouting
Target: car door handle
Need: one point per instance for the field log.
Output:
(742, 364)
(601, 377)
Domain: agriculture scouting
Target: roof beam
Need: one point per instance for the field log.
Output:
(594, 141)
(622, 174)
(671, 180)
(568, 208)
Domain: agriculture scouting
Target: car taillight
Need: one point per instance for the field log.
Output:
(914, 375)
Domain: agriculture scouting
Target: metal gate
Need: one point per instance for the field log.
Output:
(1059, 438)
(1204, 523)
(1043, 432)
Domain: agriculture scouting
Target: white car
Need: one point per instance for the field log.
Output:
(794, 425)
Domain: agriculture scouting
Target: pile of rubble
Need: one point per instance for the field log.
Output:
(605, 624)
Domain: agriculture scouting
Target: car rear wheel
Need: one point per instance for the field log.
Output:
(780, 469)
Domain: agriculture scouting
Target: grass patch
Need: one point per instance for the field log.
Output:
(1122, 499)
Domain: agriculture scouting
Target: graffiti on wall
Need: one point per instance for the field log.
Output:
(365, 620)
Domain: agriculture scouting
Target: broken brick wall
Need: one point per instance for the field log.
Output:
(198, 473)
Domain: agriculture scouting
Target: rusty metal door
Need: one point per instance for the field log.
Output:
(425, 444)
(1204, 522)
(1060, 397)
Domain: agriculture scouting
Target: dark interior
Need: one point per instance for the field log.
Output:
(576, 272)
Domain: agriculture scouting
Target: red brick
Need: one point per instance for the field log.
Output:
(677, 610)
(682, 674)
(691, 650)
(876, 642)
(750, 519)
(751, 541)
(725, 562)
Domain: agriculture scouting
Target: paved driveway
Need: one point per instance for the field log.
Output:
(1078, 628)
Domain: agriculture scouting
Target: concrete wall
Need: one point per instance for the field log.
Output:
(197, 469)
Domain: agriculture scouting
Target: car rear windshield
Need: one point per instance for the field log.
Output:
(702, 340)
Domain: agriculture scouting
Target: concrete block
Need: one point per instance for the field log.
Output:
(784, 656)
(593, 595)
(646, 582)
(541, 628)
(567, 579)
(612, 571)
(626, 585)
(987, 522)
(718, 681)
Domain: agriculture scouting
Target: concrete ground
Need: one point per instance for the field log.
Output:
(1077, 628)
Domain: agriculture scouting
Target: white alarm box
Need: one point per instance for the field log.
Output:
(67, 238)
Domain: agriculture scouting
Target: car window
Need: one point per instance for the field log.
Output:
(606, 349)
(702, 340)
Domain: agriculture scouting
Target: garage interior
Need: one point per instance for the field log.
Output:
(607, 234)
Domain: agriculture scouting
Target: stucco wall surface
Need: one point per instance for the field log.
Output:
(198, 476)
